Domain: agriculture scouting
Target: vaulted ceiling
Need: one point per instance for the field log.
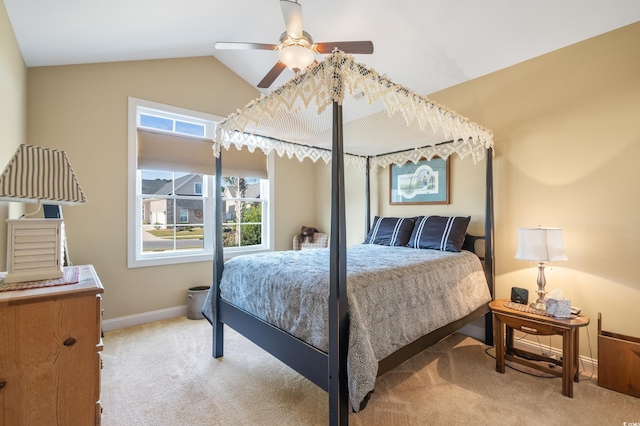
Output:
(426, 45)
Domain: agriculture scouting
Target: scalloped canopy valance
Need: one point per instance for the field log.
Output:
(381, 120)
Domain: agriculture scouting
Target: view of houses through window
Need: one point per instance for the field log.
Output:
(172, 211)
(173, 207)
(174, 220)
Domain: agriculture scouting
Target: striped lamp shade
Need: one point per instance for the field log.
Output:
(40, 174)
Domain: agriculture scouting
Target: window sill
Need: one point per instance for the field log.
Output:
(169, 260)
(175, 260)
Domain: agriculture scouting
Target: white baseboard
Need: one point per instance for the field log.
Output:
(588, 366)
(143, 318)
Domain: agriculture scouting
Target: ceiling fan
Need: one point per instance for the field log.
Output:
(296, 50)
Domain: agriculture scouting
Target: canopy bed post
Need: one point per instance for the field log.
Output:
(489, 246)
(338, 318)
(218, 261)
(367, 195)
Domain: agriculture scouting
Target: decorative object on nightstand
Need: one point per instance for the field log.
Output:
(519, 295)
(540, 245)
(35, 246)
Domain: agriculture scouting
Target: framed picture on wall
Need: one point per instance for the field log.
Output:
(426, 182)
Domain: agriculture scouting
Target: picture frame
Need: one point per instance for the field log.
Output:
(425, 182)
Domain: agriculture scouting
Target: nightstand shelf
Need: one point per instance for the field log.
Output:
(540, 325)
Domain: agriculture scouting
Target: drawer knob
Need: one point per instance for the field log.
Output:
(3, 383)
(528, 329)
(70, 341)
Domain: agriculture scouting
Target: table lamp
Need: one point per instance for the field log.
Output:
(34, 246)
(540, 245)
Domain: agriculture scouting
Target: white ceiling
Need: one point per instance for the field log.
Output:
(426, 45)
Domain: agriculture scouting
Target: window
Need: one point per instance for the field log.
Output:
(163, 200)
(171, 193)
(242, 217)
(184, 215)
(174, 124)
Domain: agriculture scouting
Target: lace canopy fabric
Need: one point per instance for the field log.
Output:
(382, 120)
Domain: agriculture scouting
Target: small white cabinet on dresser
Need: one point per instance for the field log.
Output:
(50, 344)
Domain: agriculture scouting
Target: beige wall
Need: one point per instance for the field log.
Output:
(355, 204)
(294, 199)
(83, 110)
(567, 150)
(13, 115)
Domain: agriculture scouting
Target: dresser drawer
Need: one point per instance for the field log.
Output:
(530, 327)
(49, 347)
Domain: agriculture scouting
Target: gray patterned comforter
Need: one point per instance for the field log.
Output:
(395, 295)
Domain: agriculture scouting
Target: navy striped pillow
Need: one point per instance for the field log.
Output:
(439, 233)
(390, 231)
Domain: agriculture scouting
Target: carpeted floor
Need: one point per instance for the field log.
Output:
(162, 373)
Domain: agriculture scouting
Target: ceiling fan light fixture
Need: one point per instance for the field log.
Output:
(296, 57)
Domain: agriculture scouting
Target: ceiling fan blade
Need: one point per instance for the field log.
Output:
(357, 47)
(250, 46)
(272, 75)
(292, 13)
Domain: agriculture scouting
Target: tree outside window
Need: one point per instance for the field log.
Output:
(243, 212)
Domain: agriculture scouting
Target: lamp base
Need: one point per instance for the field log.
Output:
(34, 248)
(540, 306)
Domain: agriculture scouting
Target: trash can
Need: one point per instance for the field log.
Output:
(195, 301)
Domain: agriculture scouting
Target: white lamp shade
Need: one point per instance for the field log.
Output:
(296, 57)
(540, 244)
(40, 174)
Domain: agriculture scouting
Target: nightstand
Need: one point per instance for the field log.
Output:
(540, 325)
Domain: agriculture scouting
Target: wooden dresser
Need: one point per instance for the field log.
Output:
(50, 343)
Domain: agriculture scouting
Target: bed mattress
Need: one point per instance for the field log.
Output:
(395, 296)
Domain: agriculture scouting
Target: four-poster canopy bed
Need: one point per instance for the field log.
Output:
(372, 122)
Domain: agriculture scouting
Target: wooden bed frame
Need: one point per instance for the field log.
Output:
(329, 370)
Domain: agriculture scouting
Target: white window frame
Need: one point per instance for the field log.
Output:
(135, 257)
